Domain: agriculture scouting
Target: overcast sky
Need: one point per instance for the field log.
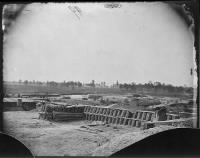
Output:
(138, 42)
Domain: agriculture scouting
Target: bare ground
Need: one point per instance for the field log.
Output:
(46, 138)
(126, 139)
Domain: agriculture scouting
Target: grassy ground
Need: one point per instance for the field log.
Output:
(58, 90)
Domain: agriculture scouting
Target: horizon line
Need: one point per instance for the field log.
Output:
(106, 83)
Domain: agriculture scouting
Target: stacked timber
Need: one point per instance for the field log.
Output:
(172, 116)
(61, 112)
(61, 116)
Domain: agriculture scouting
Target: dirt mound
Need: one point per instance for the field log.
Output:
(127, 139)
(147, 102)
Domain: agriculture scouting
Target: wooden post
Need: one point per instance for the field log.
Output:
(106, 115)
(122, 115)
(129, 122)
(138, 123)
(141, 114)
(144, 116)
(19, 102)
(136, 114)
(133, 123)
(97, 113)
(102, 116)
(147, 116)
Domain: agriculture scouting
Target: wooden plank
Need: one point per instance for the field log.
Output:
(103, 111)
(125, 121)
(138, 114)
(118, 113)
(141, 114)
(118, 120)
(144, 116)
(99, 116)
(111, 113)
(145, 111)
(150, 117)
(135, 114)
(138, 123)
(126, 114)
(133, 123)
(115, 120)
(115, 112)
(171, 121)
(147, 117)
(129, 122)
(102, 118)
(67, 113)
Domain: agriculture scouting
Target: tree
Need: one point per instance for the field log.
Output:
(26, 82)
(79, 84)
(132, 86)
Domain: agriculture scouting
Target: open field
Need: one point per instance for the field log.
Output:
(35, 89)
(58, 90)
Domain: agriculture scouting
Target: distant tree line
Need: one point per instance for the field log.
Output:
(156, 86)
(26, 82)
(150, 86)
(72, 84)
(53, 83)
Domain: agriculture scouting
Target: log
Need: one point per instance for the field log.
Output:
(87, 131)
(66, 115)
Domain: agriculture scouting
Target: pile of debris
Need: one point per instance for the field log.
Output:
(147, 102)
(60, 112)
(18, 104)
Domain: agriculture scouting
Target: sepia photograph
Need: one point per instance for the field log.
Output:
(90, 79)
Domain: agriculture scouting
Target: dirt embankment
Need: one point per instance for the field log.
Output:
(127, 139)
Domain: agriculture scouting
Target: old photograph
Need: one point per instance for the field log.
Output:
(89, 79)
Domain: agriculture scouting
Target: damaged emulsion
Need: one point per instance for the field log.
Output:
(62, 124)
